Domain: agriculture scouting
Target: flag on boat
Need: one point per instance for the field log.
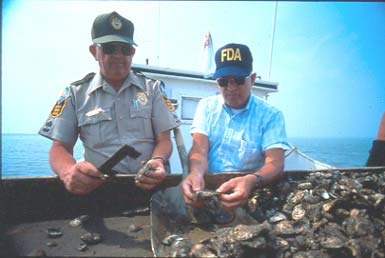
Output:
(207, 57)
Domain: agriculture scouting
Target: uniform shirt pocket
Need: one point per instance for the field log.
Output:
(141, 112)
(140, 124)
(94, 127)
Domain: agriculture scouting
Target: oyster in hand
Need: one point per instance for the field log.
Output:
(144, 170)
(212, 207)
(202, 195)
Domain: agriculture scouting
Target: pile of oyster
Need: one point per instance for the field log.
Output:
(330, 214)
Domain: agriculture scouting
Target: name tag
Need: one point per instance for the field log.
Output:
(94, 112)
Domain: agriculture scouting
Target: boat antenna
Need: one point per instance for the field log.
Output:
(272, 37)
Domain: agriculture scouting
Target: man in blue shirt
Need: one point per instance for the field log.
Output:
(235, 131)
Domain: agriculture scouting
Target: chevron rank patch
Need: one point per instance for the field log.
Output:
(58, 108)
(166, 100)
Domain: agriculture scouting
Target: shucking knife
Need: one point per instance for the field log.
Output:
(108, 164)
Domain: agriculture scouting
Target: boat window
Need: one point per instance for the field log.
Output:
(189, 105)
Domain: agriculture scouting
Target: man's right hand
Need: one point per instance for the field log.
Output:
(193, 182)
(82, 178)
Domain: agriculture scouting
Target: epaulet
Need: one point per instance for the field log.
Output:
(140, 74)
(86, 78)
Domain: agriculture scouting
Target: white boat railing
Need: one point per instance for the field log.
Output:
(297, 160)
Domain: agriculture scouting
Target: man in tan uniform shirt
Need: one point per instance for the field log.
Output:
(107, 110)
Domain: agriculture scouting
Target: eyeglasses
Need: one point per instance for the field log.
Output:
(109, 49)
(223, 82)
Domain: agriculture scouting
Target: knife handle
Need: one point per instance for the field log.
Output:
(108, 164)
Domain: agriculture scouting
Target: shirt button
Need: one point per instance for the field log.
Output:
(120, 117)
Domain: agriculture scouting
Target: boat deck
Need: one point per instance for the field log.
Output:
(31, 239)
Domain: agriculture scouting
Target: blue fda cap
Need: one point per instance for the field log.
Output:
(233, 60)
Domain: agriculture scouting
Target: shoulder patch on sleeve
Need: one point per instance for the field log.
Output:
(166, 100)
(60, 103)
(86, 78)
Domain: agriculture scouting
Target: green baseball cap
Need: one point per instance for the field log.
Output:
(111, 27)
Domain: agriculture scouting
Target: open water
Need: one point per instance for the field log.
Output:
(27, 154)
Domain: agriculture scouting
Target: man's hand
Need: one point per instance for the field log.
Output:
(82, 178)
(236, 191)
(197, 168)
(153, 177)
(193, 182)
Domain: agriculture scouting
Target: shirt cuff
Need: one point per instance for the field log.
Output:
(283, 146)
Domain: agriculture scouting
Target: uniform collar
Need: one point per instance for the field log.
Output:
(98, 82)
(133, 79)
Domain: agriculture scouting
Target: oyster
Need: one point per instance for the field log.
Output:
(277, 217)
(285, 228)
(181, 247)
(296, 198)
(51, 244)
(134, 228)
(212, 210)
(170, 239)
(79, 220)
(144, 170)
(325, 195)
(202, 195)
(305, 186)
(328, 214)
(298, 212)
(91, 238)
(234, 241)
(332, 243)
(82, 247)
(202, 250)
(226, 247)
(54, 232)
(358, 226)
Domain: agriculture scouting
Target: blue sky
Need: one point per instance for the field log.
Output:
(328, 58)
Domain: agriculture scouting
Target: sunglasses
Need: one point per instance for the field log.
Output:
(223, 82)
(109, 49)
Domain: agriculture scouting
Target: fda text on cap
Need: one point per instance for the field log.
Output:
(230, 54)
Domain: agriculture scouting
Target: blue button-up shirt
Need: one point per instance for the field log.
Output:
(238, 138)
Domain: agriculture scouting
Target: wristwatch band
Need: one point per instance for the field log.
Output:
(259, 180)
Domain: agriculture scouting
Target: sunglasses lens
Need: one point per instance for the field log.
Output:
(239, 80)
(223, 82)
(126, 50)
(109, 49)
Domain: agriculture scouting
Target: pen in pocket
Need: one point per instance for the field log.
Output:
(242, 147)
(135, 103)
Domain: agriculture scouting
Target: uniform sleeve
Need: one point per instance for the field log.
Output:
(200, 123)
(163, 119)
(61, 124)
(274, 135)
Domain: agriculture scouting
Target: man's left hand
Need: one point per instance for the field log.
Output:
(152, 177)
(236, 191)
